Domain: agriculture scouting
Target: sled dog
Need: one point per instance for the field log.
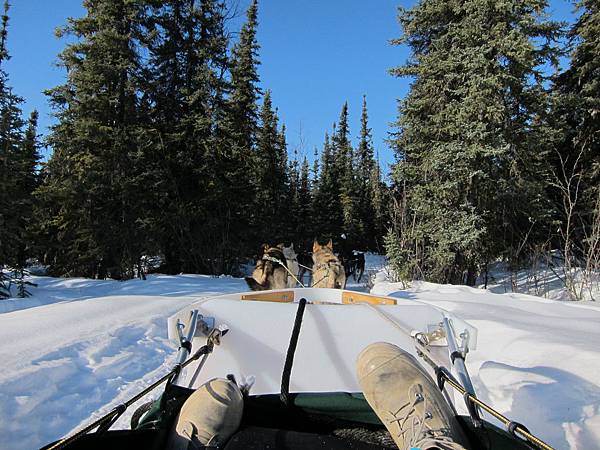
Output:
(291, 259)
(328, 272)
(354, 265)
(269, 274)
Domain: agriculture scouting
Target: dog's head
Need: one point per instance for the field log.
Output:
(321, 252)
(317, 247)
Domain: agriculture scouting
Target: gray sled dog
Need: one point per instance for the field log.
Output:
(292, 263)
(269, 274)
(328, 271)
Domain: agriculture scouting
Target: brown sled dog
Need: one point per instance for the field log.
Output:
(328, 272)
(269, 274)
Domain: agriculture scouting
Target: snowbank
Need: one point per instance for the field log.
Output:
(537, 360)
(543, 279)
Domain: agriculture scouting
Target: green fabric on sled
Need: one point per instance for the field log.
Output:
(351, 407)
(341, 405)
(163, 411)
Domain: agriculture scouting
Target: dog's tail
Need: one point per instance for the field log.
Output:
(254, 285)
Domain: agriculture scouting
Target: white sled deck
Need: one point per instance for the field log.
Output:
(335, 327)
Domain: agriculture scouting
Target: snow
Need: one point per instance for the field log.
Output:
(537, 361)
(79, 347)
(545, 278)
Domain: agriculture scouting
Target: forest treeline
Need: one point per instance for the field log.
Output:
(166, 145)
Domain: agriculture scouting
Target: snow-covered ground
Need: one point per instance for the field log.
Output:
(545, 278)
(537, 360)
(79, 347)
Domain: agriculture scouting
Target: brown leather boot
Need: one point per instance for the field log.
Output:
(406, 399)
(208, 417)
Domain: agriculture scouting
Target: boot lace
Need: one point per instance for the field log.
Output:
(414, 430)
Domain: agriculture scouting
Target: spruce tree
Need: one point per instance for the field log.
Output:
(236, 141)
(367, 185)
(574, 119)
(348, 191)
(89, 190)
(27, 183)
(304, 232)
(315, 167)
(379, 197)
(18, 161)
(583, 80)
(272, 180)
(326, 205)
(471, 166)
(244, 80)
(575, 160)
(189, 163)
(287, 191)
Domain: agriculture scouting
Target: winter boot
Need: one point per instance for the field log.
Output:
(406, 400)
(208, 417)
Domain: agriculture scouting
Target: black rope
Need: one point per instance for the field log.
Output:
(289, 357)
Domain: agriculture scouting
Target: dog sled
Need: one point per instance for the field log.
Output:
(294, 351)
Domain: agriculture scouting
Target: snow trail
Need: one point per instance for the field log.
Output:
(76, 358)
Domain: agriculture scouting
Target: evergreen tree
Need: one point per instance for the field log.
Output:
(293, 218)
(349, 225)
(18, 160)
(366, 185)
(236, 139)
(189, 164)
(27, 183)
(326, 207)
(244, 79)
(315, 167)
(272, 179)
(379, 197)
(574, 120)
(303, 232)
(365, 156)
(471, 169)
(91, 218)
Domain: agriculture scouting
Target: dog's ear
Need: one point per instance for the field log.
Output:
(316, 246)
(330, 245)
(292, 245)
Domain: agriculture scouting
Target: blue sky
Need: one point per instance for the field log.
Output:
(315, 55)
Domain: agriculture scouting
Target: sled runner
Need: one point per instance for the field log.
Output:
(294, 352)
